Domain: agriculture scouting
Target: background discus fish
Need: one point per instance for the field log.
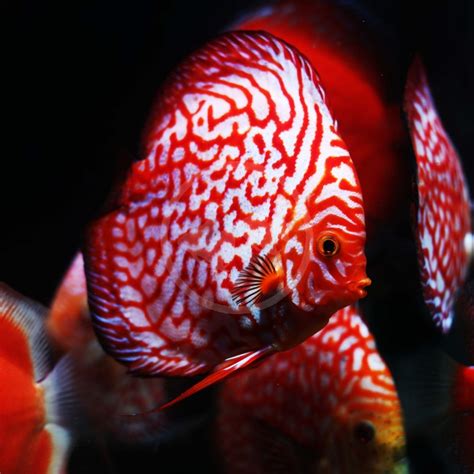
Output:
(107, 391)
(36, 401)
(326, 406)
(443, 219)
(349, 51)
(242, 230)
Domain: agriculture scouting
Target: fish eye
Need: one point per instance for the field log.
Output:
(328, 245)
(364, 432)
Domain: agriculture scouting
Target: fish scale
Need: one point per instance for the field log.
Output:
(242, 159)
(443, 220)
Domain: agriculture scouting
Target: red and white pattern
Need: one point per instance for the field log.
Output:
(243, 158)
(315, 395)
(107, 392)
(443, 216)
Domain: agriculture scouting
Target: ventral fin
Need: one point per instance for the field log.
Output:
(229, 367)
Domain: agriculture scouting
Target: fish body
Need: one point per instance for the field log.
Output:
(327, 405)
(354, 61)
(351, 56)
(241, 230)
(443, 217)
(34, 397)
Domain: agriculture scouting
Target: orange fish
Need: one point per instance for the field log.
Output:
(35, 399)
(327, 406)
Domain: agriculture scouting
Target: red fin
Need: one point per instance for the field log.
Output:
(257, 280)
(229, 367)
(23, 338)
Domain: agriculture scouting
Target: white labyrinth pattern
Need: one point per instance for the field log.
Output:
(242, 158)
(443, 215)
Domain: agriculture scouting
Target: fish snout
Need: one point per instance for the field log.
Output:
(358, 287)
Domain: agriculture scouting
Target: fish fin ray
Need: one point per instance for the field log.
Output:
(229, 367)
(28, 317)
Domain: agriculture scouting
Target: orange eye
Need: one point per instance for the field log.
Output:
(328, 245)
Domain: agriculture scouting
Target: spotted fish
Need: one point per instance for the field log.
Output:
(241, 231)
(328, 405)
(443, 219)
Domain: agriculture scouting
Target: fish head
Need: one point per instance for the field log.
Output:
(364, 441)
(378, 439)
(323, 259)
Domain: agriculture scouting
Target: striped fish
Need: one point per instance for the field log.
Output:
(326, 406)
(443, 217)
(241, 231)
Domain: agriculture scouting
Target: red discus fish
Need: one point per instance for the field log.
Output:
(107, 391)
(34, 401)
(443, 219)
(357, 73)
(326, 406)
(242, 230)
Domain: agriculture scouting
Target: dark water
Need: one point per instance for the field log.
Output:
(79, 80)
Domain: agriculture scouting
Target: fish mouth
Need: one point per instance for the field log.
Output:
(359, 287)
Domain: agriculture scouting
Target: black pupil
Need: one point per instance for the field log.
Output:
(364, 431)
(329, 247)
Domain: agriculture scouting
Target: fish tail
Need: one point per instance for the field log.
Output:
(63, 415)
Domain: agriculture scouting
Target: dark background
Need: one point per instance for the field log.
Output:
(78, 81)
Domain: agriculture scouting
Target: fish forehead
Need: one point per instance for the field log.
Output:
(443, 214)
(240, 147)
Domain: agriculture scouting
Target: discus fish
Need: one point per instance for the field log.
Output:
(443, 219)
(106, 390)
(242, 230)
(35, 399)
(352, 57)
(329, 405)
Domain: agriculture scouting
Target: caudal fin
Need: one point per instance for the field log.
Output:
(63, 416)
